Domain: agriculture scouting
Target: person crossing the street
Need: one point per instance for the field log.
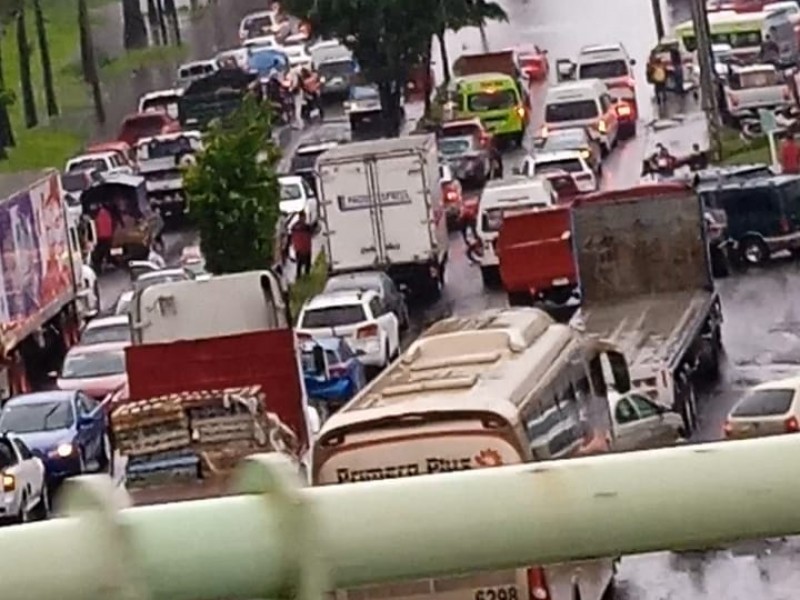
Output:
(302, 236)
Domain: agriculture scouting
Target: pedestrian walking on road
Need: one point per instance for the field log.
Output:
(657, 75)
(302, 239)
(104, 228)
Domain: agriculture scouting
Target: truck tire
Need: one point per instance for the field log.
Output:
(754, 251)
(490, 276)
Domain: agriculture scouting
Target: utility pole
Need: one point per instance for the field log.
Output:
(708, 76)
(659, 19)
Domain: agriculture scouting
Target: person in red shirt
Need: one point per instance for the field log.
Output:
(469, 220)
(790, 155)
(302, 236)
(104, 226)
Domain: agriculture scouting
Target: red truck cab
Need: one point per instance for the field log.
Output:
(142, 125)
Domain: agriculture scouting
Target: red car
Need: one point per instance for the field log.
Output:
(142, 125)
(533, 62)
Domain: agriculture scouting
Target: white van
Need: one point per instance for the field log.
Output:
(503, 197)
(584, 103)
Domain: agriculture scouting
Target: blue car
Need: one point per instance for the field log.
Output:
(67, 429)
(332, 372)
(263, 62)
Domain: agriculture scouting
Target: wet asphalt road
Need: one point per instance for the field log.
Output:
(759, 308)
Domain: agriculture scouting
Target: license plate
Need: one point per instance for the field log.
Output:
(337, 81)
(506, 592)
(116, 252)
(561, 281)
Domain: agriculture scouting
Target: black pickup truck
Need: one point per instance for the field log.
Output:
(212, 97)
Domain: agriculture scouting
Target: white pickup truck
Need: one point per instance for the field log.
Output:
(23, 491)
(752, 87)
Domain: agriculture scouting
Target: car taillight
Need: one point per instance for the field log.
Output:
(337, 371)
(537, 584)
(727, 429)
(451, 196)
(792, 425)
(9, 482)
(484, 140)
(369, 331)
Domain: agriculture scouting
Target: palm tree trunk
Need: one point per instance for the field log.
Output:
(24, 49)
(172, 13)
(444, 57)
(6, 132)
(162, 22)
(44, 54)
(90, 74)
(427, 84)
(134, 31)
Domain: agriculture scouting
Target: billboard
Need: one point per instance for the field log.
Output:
(35, 262)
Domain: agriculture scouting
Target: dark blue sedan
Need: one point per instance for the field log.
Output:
(332, 372)
(66, 429)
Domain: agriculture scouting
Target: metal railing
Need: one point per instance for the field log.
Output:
(278, 539)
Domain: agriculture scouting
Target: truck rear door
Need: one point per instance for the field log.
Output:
(402, 209)
(353, 232)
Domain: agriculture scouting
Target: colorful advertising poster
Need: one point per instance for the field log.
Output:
(35, 264)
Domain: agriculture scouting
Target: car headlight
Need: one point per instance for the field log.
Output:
(62, 451)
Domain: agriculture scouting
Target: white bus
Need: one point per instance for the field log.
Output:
(501, 387)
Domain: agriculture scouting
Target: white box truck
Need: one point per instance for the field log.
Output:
(382, 209)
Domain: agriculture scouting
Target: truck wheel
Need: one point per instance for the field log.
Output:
(490, 276)
(754, 251)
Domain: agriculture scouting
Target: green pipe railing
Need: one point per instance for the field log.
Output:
(277, 539)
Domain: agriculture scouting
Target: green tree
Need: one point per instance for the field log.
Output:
(44, 56)
(453, 15)
(387, 37)
(26, 82)
(233, 191)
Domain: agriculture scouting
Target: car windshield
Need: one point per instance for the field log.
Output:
(333, 316)
(167, 148)
(118, 332)
(469, 129)
(603, 70)
(74, 182)
(291, 191)
(364, 93)
(576, 110)
(258, 26)
(85, 164)
(339, 68)
(150, 280)
(337, 284)
(569, 139)
(38, 416)
(570, 165)
(764, 403)
(85, 365)
(307, 360)
(497, 100)
(452, 146)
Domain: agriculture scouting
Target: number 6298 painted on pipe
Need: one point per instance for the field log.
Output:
(498, 593)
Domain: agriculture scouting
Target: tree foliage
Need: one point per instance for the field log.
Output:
(233, 191)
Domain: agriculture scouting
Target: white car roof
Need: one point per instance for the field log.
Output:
(165, 137)
(339, 298)
(290, 180)
(558, 155)
(161, 94)
(261, 40)
(110, 321)
(108, 154)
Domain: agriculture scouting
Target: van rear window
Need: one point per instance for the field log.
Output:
(577, 110)
(496, 100)
(334, 316)
(762, 403)
(603, 70)
(570, 165)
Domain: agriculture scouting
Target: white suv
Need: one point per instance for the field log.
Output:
(571, 161)
(369, 326)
